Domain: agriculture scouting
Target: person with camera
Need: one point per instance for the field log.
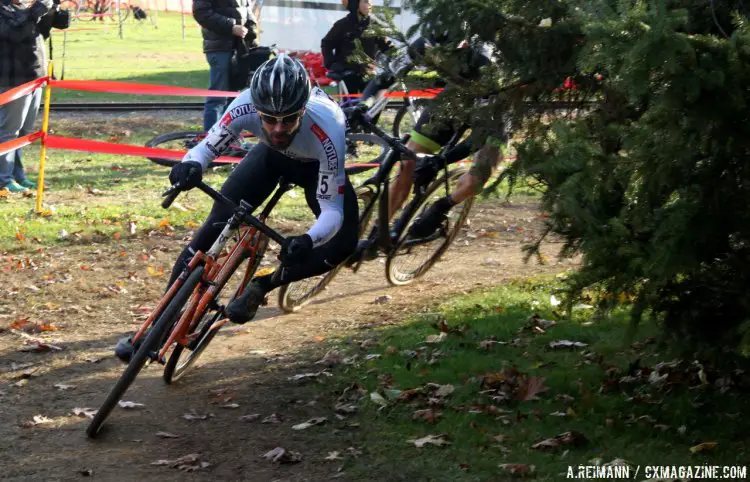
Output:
(338, 45)
(22, 59)
(227, 25)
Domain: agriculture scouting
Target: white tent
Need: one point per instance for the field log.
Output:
(290, 24)
(300, 25)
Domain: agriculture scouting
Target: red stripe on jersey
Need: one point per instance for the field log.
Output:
(318, 132)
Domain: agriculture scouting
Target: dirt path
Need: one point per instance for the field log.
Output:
(95, 294)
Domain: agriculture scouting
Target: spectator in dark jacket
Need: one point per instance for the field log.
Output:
(338, 44)
(22, 59)
(226, 26)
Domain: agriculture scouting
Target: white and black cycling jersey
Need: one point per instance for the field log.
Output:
(321, 138)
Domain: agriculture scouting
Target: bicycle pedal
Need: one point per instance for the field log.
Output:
(154, 357)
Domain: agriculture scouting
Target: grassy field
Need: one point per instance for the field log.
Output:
(476, 382)
(153, 53)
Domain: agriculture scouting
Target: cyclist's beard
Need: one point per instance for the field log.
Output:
(280, 141)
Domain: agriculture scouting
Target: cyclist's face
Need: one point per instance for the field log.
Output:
(281, 130)
(364, 7)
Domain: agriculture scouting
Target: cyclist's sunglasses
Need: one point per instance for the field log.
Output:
(288, 119)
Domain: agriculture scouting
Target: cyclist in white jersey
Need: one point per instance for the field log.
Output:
(302, 139)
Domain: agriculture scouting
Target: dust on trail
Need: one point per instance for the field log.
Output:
(94, 294)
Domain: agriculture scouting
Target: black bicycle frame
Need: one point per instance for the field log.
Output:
(381, 183)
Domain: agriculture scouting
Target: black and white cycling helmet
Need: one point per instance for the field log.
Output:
(280, 86)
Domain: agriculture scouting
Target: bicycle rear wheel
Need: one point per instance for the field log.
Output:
(295, 295)
(183, 358)
(403, 122)
(368, 147)
(185, 140)
(412, 258)
(154, 337)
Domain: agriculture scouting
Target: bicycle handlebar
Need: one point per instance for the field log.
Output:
(175, 190)
(357, 114)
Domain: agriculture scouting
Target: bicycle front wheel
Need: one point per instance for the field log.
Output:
(154, 338)
(295, 295)
(412, 258)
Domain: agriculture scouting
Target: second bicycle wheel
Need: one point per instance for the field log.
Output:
(412, 258)
(365, 151)
(185, 140)
(295, 295)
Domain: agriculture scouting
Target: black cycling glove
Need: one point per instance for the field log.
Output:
(187, 174)
(297, 250)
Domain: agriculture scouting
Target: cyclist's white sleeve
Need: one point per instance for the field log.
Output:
(331, 183)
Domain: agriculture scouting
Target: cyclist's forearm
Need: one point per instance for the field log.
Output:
(328, 224)
(459, 152)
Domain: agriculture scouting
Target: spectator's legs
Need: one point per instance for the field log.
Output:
(218, 71)
(11, 120)
(26, 129)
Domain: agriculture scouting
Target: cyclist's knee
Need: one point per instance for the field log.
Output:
(407, 167)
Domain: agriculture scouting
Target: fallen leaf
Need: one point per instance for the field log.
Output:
(196, 416)
(230, 405)
(37, 420)
(489, 343)
(308, 376)
(126, 404)
(273, 418)
(188, 463)
(428, 415)
(444, 390)
(331, 358)
(519, 470)
(431, 339)
(702, 447)
(567, 344)
(334, 456)
(167, 435)
(345, 408)
(39, 347)
(21, 383)
(572, 437)
(438, 440)
(532, 387)
(84, 412)
(443, 327)
(249, 418)
(282, 456)
(63, 387)
(310, 423)
(380, 300)
(377, 398)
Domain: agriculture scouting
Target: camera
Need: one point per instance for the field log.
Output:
(55, 18)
